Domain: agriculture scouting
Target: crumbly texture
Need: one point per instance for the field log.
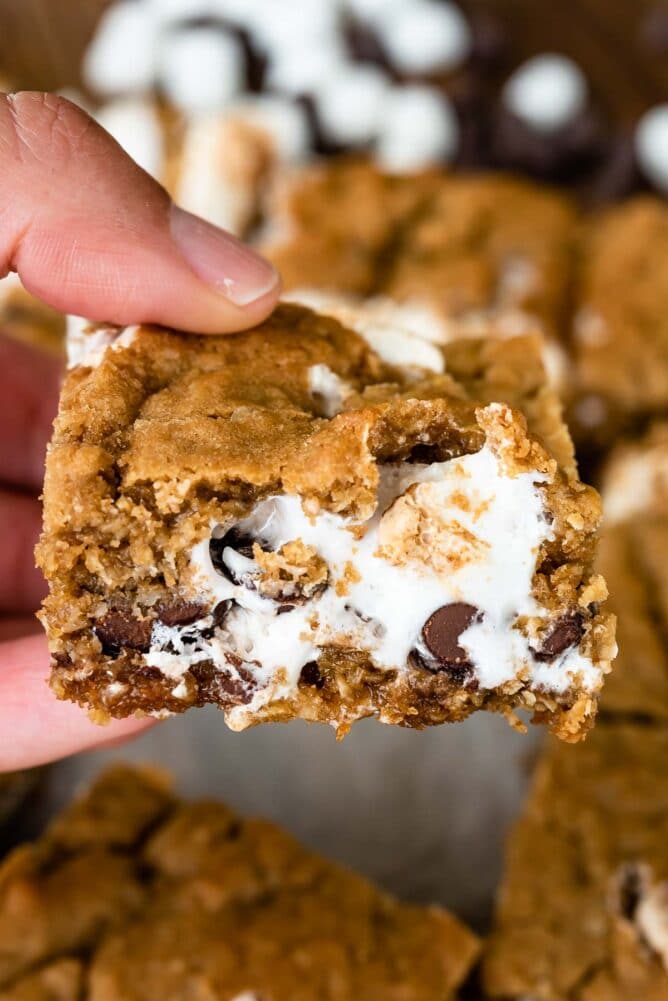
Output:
(620, 327)
(633, 556)
(479, 248)
(27, 319)
(172, 434)
(132, 895)
(583, 909)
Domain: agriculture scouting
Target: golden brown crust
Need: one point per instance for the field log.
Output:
(198, 902)
(579, 910)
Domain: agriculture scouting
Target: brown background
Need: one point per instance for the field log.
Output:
(41, 42)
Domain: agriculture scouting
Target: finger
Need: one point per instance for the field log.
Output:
(35, 727)
(29, 381)
(12, 628)
(90, 233)
(22, 586)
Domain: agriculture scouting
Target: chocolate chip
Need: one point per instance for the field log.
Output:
(311, 676)
(119, 630)
(181, 613)
(364, 43)
(560, 155)
(425, 454)
(566, 632)
(441, 633)
(242, 544)
(225, 688)
(221, 612)
(282, 609)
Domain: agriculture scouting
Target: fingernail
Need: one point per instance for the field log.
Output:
(220, 260)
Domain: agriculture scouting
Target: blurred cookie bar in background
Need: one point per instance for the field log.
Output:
(582, 912)
(131, 893)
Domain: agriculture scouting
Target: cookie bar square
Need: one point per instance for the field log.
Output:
(283, 524)
(476, 249)
(450, 256)
(620, 329)
(132, 895)
(633, 556)
(582, 912)
(337, 226)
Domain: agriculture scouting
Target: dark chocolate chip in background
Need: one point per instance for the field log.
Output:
(180, 613)
(618, 174)
(563, 154)
(364, 43)
(654, 30)
(566, 632)
(119, 630)
(489, 40)
(441, 633)
(311, 675)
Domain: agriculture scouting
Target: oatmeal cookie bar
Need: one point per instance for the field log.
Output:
(453, 256)
(476, 249)
(583, 909)
(133, 896)
(620, 335)
(633, 557)
(285, 524)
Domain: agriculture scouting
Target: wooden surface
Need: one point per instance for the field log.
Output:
(41, 42)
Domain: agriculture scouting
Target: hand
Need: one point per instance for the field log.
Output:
(89, 233)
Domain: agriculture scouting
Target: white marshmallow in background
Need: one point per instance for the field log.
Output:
(165, 12)
(301, 70)
(425, 36)
(135, 124)
(350, 103)
(295, 25)
(547, 92)
(419, 129)
(121, 58)
(222, 161)
(284, 120)
(651, 145)
(371, 10)
(201, 69)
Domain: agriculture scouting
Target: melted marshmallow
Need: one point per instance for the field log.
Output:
(488, 528)
(89, 349)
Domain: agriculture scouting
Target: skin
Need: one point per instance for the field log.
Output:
(89, 233)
